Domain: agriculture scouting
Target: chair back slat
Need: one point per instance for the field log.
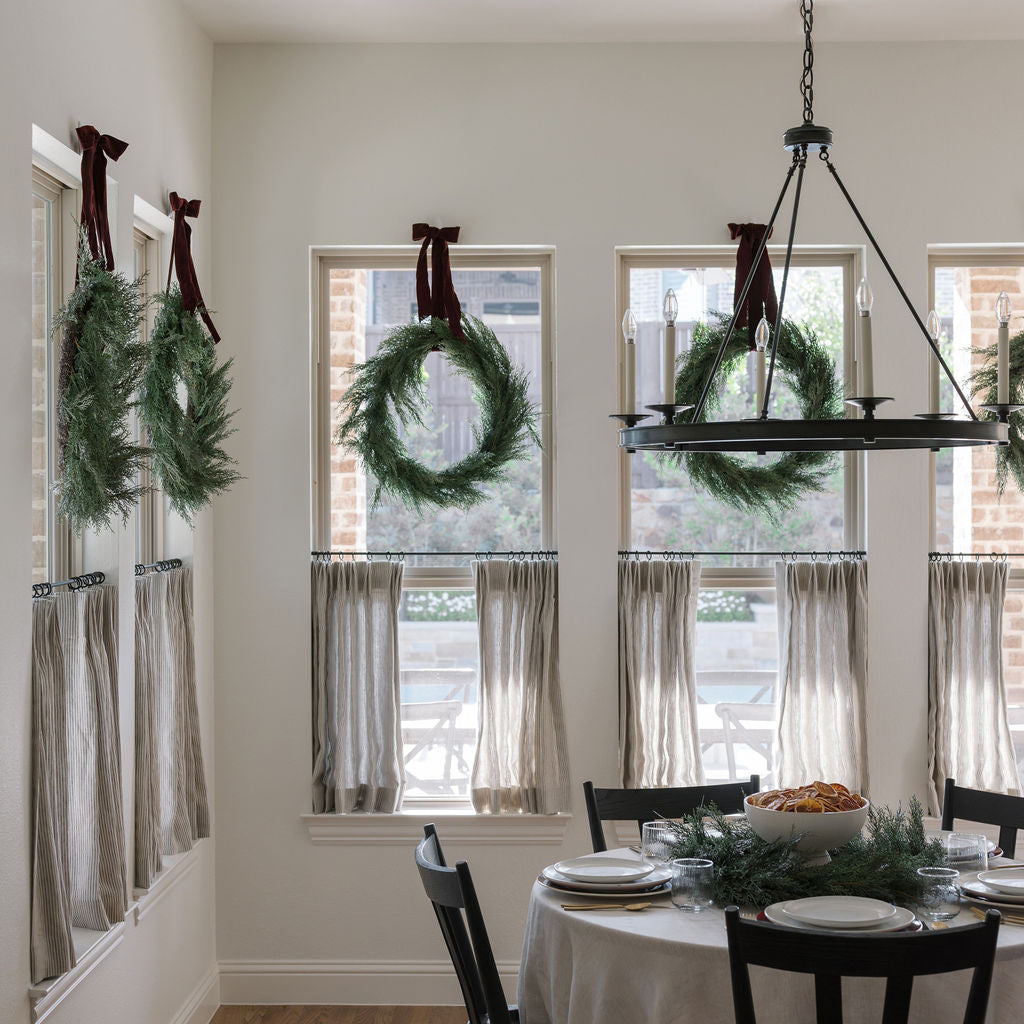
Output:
(829, 957)
(453, 896)
(986, 808)
(642, 805)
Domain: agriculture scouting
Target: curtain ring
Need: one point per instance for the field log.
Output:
(650, 555)
(690, 556)
(814, 556)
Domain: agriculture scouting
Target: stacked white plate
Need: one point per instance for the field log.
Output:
(1001, 887)
(604, 875)
(840, 913)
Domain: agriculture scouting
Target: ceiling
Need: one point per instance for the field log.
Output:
(609, 21)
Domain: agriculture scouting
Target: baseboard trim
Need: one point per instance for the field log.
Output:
(202, 1004)
(353, 982)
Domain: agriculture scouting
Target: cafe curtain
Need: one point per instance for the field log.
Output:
(521, 763)
(171, 805)
(968, 732)
(822, 610)
(357, 735)
(79, 875)
(659, 740)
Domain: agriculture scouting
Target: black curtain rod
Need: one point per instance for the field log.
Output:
(162, 566)
(89, 579)
(992, 556)
(400, 555)
(827, 555)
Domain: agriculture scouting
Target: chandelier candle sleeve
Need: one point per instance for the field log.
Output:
(670, 309)
(1003, 311)
(761, 338)
(933, 378)
(629, 333)
(866, 380)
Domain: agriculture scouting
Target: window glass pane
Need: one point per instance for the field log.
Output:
(42, 313)
(667, 511)
(1013, 666)
(437, 649)
(737, 673)
(364, 306)
(969, 514)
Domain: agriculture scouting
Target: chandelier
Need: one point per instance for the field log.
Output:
(679, 432)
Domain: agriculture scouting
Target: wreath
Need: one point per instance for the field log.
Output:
(386, 394)
(98, 462)
(984, 384)
(185, 443)
(810, 372)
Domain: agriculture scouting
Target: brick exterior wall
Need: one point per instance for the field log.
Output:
(348, 346)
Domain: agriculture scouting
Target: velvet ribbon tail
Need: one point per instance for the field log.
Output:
(95, 150)
(181, 261)
(444, 304)
(761, 300)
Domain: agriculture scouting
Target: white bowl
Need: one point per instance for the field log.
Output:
(821, 831)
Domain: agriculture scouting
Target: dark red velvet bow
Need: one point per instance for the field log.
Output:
(181, 260)
(95, 150)
(761, 300)
(445, 303)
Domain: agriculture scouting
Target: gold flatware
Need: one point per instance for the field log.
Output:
(606, 906)
(1008, 918)
(937, 925)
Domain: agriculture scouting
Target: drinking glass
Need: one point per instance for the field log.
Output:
(657, 840)
(692, 883)
(940, 900)
(966, 851)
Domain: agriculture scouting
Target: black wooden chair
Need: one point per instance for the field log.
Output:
(987, 808)
(451, 892)
(650, 804)
(831, 957)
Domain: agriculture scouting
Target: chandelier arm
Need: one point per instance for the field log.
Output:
(801, 164)
(699, 407)
(899, 286)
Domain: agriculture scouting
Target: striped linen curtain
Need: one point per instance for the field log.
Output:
(521, 763)
(171, 803)
(79, 876)
(823, 663)
(659, 742)
(968, 732)
(357, 730)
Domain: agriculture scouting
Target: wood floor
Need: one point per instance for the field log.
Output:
(340, 1015)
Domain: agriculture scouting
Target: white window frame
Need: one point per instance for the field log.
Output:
(324, 259)
(851, 260)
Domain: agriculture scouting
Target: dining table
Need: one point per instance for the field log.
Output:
(663, 965)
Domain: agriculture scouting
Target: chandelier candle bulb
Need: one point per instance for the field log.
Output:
(629, 333)
(1003, 311)
(670, 309)
(933, 378)
(865, 299)
(761, 337)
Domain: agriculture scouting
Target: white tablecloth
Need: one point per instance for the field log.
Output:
(667, 966)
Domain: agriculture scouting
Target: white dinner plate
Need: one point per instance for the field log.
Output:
(630, 897)
(659, 876)
(978, 892)
(843, 912)
(1009, 881)
(603, 869)
(899, 919)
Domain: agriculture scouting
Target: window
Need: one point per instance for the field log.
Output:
(737, 637)
(969, 516)
(53, 254)
(149, 531)
(361, 294)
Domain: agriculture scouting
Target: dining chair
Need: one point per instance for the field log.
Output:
(987, 808)
(831, 957)
(453, 896)
(650, 804)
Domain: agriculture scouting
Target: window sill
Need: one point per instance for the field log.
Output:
(91, 949)
(463, 826)
(176, 867)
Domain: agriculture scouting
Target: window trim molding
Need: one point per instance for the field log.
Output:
(463, 826)
(851, 258)
(323, 258)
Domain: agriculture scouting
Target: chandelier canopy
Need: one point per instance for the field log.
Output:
(683, 427)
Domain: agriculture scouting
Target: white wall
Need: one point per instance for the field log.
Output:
(143, 72)
(347, 144)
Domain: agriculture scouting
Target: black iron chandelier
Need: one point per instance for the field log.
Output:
(681, 433)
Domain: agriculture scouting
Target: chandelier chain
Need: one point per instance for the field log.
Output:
(807, 78)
